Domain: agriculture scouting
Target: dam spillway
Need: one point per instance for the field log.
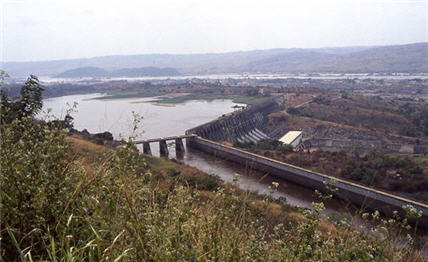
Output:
(239, 126)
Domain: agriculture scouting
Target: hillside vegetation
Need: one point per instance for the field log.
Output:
(401, 117)
(410, 58)
(66, 199)
(396, 174)
(124, 72)
(357, 119)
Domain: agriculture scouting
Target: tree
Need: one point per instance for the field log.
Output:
(27, 105)
(252, 92)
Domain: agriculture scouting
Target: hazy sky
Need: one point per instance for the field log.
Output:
(57, 29)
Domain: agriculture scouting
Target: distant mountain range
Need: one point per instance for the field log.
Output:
(125, 72)
(411, 58)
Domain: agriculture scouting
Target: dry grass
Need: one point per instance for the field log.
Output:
(136, 207)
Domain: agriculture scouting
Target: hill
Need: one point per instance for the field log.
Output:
(398, 58)
(84, 72)
(125, 72)
(411, 58)
(405, 58)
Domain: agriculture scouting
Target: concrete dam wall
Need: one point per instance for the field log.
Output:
(367, 198)
(239, 126)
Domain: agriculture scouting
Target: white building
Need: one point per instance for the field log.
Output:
(293, 138)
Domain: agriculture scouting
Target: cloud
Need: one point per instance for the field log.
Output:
(46, 29)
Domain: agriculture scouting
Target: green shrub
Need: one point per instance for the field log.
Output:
(207, 182)
(38, 180)
(172, 172)
(27, 105)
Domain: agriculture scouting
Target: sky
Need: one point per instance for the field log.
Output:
(34, 30)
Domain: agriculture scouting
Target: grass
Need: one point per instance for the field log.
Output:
(129, 95)
(185, 98)
(423, 160)
(209, 97)
(250, 100)
(67, 199)
(161, 99)
(366, 112)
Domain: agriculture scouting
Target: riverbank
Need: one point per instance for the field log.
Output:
(176, 98)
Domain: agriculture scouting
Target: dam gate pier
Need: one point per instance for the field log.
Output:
(163, 147)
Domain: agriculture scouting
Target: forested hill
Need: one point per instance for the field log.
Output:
(125, 72)
(411, 58)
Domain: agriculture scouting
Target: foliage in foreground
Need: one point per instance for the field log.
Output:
(84, 202)
(64, 199)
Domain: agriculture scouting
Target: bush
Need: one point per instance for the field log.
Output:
(27, 105)
(172, 172)
(38, 180)
(207, 182)
(322, 100)
(294, 111)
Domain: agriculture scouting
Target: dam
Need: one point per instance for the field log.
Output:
(239, 126)
(247, 125)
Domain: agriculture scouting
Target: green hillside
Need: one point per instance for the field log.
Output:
(66, 199)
